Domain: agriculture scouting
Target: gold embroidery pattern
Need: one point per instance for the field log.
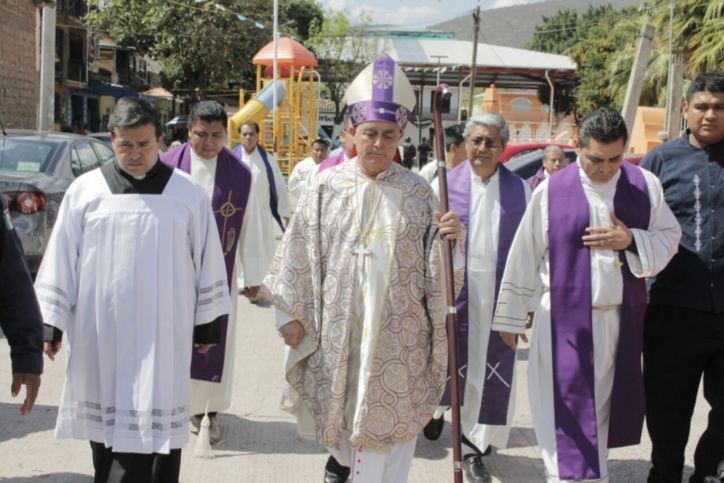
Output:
(227, 210)
(312, 278)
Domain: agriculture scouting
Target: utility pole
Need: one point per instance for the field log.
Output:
(275, 75)
(474, 62)
(47, 69)
(636, 80)
(674, 84)
(673, 108)
(669, 83)
(439, 59)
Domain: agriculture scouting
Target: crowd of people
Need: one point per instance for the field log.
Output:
(141, 273)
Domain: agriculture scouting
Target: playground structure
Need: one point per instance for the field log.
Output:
(289, 128)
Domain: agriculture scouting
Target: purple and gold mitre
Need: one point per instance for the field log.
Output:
(381, 92)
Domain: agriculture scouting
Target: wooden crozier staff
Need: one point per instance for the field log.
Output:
(451, 322)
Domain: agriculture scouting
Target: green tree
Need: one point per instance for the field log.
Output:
(594, 54)
(698, 32)
(698, 36)
(300, 15)
(342, 52)
(593, 40)
(203, 45)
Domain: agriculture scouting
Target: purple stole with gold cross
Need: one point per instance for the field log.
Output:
(571, 320)
(232, 183)
(500, 360)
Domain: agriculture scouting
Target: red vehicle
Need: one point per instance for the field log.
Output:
(516, 149)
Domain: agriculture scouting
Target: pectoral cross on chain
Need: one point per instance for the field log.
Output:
(361, 252)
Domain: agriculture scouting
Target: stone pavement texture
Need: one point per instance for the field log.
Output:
(259, 442)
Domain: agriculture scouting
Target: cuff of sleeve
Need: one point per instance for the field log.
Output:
(635, 263)
(52, 334)
(208, 333)
(506, 327)
(27, 363)
(283, 318)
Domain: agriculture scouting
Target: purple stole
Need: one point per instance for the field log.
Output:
(332, 161)
(536, 179)
(500, 360)
(228, 202)
(571, 319)
(273, 196)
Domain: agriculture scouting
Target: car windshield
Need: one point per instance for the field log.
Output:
(29, 155)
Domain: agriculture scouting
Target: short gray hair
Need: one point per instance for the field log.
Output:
(551, 148)
(489, 119)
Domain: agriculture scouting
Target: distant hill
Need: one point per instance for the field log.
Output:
(514, 26)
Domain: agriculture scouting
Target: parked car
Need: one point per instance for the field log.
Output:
(35, 171)
(103, 136)
(514, 150)
(528, 164)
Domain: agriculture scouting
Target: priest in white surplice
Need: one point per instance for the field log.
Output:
(490, 201)
(134, 277)
(269, 210)
(303, 169)
(589, 236)
(227, 182)
(357, 284)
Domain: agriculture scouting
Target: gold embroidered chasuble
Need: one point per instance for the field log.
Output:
(360, 267)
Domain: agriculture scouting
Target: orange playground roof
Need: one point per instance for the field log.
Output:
(289, 53)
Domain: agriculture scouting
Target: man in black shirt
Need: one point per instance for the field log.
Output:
(684, 333)
(408, 153)
(20, 317)
(423, 152)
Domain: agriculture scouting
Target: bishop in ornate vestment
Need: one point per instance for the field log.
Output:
(357, 284)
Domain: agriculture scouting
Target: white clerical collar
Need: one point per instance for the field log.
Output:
(594, 185)
(546, 174)
(484, 182)
(197, 158)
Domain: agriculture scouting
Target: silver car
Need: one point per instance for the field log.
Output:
(35, 171)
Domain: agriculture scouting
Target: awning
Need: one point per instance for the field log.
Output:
(113, 90)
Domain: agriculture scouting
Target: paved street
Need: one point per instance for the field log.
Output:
(260, 443)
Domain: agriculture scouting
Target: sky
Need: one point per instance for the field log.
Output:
(414, 13)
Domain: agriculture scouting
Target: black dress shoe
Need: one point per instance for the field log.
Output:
(433, 429)
(475, 471)
(335, 472)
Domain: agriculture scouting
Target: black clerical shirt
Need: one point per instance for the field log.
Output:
(693, 182)
(153, 183)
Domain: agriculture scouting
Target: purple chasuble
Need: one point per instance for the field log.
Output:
(500, 360)
(332, 161)
(571, 319)
(228, 202)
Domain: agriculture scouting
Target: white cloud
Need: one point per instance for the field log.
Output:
(413, 16)
(337, 4)
(510, 3)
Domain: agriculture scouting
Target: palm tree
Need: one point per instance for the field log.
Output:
(698, 32)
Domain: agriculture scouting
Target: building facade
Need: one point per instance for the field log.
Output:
(19, 63)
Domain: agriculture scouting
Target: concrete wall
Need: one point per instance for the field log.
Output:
(19, 69)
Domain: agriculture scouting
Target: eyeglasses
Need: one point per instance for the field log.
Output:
(487, 142)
